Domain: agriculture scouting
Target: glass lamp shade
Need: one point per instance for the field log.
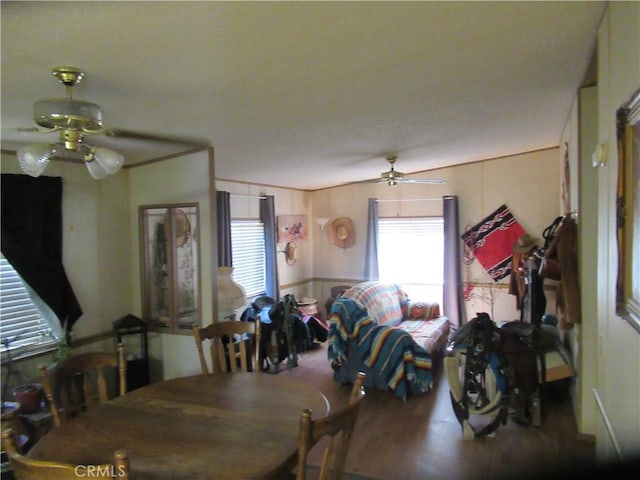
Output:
(34, 158)
(108, 159)
(231, 296)
(103, 162)
(95, 169)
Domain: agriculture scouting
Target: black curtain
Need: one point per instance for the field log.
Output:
(32, 240)
(223, 202)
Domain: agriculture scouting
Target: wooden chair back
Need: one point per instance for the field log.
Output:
(78, 383)
(337, 428)
(24, 468)
(227, 352)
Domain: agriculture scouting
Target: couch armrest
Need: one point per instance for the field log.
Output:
(418, 310)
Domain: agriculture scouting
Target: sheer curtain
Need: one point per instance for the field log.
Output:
(452, 304)
(31, 242)
(268, 218)
(223, 223)
(371, 254)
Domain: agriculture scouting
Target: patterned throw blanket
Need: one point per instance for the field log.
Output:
(391, 352)
(491, 241)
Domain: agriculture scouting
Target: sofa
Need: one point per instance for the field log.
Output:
(375, 328)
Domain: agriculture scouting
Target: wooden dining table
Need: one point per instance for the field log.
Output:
(219, 426)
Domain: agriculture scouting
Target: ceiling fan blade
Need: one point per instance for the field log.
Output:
(136, 135)
(424, 181)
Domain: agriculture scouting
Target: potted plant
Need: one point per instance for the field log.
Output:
(29, 396)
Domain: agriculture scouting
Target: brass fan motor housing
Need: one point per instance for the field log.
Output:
(68, 113)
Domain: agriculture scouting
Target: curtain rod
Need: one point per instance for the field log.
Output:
(239, 195)
(411, 200)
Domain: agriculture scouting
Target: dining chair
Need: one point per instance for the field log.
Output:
(78, 383)
(337, 428)
(228, 346)
(24, 468)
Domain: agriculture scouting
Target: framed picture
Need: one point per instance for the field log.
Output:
(628, 211)
(169, 246)
(292, 228)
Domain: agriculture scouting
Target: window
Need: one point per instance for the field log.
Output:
(21, 324)
(248, 256)
(411, 253)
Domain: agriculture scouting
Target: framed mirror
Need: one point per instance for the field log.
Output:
(628, 211)
(170, 273)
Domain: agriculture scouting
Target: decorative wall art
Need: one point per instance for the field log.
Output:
(292, 228)
(491, 241)
(169, 236)
(628, 211)
(342, 233)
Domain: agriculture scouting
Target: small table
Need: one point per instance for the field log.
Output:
(242, 425)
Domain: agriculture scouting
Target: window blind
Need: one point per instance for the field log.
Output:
(248, 256)
(21, 324)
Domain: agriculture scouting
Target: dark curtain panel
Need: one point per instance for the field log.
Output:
(452, 300)
(32, 240)
(371, 253)
(268, 218)
(223, 202)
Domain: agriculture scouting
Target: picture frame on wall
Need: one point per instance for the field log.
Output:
(628, 211)
(292, 228)
(170, 276)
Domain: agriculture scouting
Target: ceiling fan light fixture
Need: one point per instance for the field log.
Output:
(96, 170)
(72, 118)
(110, 160)
(34, 158)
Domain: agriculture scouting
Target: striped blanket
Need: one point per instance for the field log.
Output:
(391, 352)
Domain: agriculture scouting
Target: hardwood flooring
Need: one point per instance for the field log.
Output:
(421, 439)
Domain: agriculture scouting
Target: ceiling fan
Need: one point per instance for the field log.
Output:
(393, 177)
(73, 119)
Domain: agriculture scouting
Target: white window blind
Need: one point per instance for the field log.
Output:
(411, 253)
(248, 255)
(21, 324)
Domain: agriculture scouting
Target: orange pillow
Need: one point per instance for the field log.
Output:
(423, 310)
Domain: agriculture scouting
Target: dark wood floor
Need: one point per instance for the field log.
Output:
(421, 438)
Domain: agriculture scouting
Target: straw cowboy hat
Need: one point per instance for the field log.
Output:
(524, 243)
(342, 234)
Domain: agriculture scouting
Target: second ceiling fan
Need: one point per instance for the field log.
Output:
(393, 177)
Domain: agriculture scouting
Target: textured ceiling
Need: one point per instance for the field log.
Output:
(308, 94)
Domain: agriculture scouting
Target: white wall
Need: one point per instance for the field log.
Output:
(618, 356)
(584, 338)
(179, 180)
(528, 184)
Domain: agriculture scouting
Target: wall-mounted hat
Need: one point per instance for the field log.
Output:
(524, 243)
(342, 232)
(291, 253)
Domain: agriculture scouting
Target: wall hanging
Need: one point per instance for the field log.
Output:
(628, 211)
(342, 232)
(492, 240)
(169, 236)
(292, 228)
